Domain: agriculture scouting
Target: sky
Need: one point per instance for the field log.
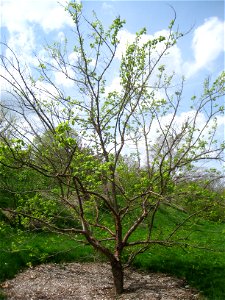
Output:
(26, 25)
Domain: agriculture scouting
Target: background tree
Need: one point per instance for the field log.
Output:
(110, 196)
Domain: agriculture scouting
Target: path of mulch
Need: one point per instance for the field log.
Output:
(88, 281)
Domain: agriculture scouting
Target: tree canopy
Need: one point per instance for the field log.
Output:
(111, 160)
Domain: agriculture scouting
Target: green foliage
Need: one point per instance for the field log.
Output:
(38, 208)
(114, 29)
(14, 184)
(195, 197)
(95, 190)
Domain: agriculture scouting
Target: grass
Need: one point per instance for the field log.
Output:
(19, 250)
(202, 269)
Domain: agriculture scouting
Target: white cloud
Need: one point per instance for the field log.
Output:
(10, 72)
(173, 59)
(114, 86)
(207, 45)
(24, 44)
(108, 7)
(47, 13)
(73, 57)
(61, 36)
(63, 80)
(21, 19)
(160, 126)
(125, 38)
(45, 91)
(221, 121)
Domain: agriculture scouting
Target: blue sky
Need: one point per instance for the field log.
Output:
(201, 51)
(28, 24)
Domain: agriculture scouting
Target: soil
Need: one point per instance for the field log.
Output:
(88, 281)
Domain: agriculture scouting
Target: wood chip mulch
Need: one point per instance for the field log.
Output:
(88, 281)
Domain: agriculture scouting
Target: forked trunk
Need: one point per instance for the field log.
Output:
(117, 271)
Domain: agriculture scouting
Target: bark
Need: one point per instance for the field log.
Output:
(117, 271)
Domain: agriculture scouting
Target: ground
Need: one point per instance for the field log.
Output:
(87, 281)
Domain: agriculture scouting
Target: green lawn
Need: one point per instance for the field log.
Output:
(203, 269)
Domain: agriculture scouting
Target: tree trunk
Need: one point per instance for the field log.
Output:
(117, 271)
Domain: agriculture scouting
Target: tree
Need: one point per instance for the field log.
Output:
(112, 197)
